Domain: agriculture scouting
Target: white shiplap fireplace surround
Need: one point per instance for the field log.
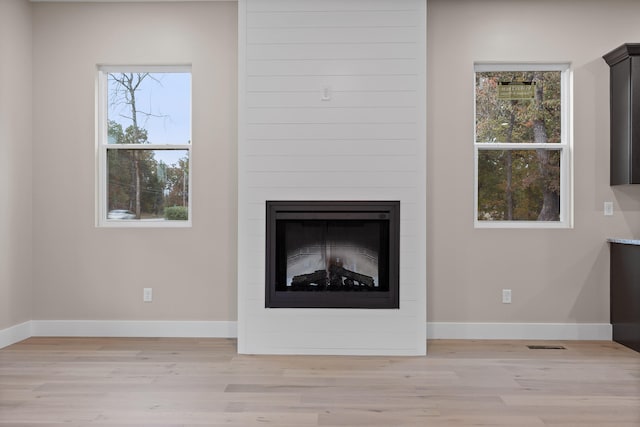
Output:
(332, 106)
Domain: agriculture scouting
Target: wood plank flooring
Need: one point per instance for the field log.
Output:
(196, 382)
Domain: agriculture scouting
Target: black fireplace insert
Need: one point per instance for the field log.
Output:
(332, 254)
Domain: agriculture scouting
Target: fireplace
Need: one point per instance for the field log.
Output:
(332, 254)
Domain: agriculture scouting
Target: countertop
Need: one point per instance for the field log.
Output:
(625, 241)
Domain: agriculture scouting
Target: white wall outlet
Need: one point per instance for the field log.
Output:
(147, 294)
(608, 208)
(506, 296)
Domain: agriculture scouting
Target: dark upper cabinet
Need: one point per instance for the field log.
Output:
(625, 113)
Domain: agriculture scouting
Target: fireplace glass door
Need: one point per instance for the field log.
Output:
(332, 254)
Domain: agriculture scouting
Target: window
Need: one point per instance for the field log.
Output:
(144, 146)
(522, 145)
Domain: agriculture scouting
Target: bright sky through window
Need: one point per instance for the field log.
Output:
(163, 102)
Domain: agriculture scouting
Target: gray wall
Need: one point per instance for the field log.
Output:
(15, 163)
(84, 272)
(557, 276)
(81, 272)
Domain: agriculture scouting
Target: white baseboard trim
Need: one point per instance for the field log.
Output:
(229, 329)
(15, 334)
(134, 328)
(523, 331)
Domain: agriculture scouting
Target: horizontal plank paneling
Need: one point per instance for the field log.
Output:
(347, 83)
(365, 141)
(292, 192)
(320, 115)
(324, 67)
(333, 19)
(387, 148)
(339, 99)
(331, 51)
(327, 5)
(353, 179)
(331, 35)
(355, 131)
(326, 163)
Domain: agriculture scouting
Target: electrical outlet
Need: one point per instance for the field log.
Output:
(608, 208)
(506, 296)
(147, 294)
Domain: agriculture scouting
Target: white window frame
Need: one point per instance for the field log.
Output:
(102, 145)
(565, 145)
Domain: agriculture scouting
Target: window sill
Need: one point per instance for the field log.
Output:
(523, 224)
(144, 223)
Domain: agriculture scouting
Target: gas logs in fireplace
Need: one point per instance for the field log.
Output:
(332, 254)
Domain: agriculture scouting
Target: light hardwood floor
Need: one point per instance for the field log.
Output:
(180, 382)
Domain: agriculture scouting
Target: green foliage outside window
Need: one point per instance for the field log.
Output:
(518, 184)
(175, 213)
(152, 177)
